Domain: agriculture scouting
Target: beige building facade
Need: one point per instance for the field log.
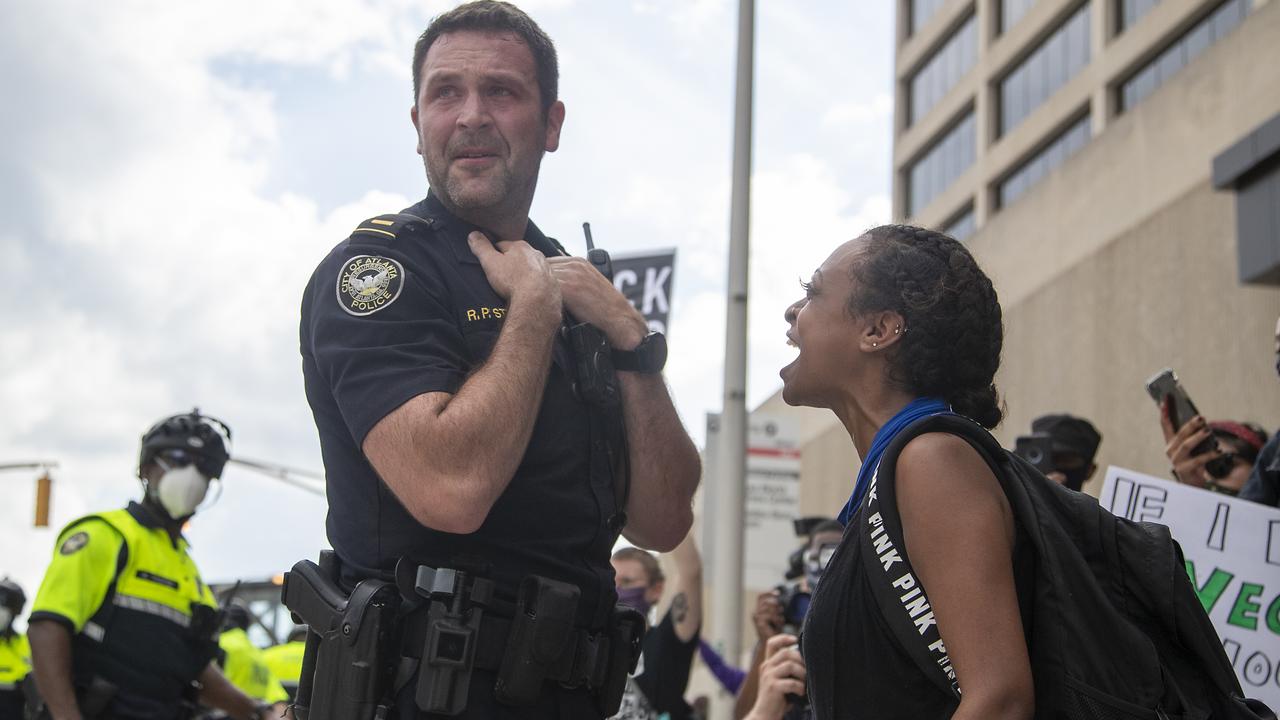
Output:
(1088, 197)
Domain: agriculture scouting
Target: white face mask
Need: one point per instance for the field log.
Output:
(181, 490)
(6, 617)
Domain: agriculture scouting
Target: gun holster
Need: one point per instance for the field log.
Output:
(350, 655)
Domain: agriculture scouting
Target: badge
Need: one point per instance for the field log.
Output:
(369, 283)
(74, 543)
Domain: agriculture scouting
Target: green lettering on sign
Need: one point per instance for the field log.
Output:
(1243, 614)
(1273, 616)
(1212, 588)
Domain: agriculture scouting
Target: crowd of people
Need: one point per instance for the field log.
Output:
(492, 419)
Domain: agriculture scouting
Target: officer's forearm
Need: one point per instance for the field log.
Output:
(51, 658)
(449, 458)
(216, 691)
(665, 467)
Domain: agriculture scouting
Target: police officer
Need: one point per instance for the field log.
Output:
(123, 626)
(285, 660)
(244, 664)
(15, 656)
(455, 420)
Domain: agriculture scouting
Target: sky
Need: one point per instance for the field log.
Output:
(171, 173)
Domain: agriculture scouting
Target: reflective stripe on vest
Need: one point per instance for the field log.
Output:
(151, 607)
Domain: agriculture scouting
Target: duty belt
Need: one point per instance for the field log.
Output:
(359, 656)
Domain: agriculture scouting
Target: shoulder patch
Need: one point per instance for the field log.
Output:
(74, 543)
(369, 283)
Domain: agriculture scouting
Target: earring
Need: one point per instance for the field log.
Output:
(875, 344)
(897, 330)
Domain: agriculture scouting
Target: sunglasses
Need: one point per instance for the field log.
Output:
(176, 458)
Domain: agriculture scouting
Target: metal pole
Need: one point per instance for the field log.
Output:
(732, 456)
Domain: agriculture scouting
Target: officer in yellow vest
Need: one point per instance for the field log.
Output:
(243, 663)
(15, 656)
(285, 660)
(123, 625)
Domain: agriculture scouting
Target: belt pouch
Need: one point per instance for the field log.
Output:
(541, 634)
(624, 651)
(444, 674)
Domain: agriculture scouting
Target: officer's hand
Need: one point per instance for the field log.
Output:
(515, 270)
(591, 298)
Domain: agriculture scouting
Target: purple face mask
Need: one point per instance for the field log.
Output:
(634, 598)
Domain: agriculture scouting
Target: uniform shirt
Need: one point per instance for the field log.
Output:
(15, 663)
(285, 661)
(387, 318)
(150, 641)
(246, 667)
(15, 659)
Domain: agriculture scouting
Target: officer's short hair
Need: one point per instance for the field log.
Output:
(494, 16)
(646, 560)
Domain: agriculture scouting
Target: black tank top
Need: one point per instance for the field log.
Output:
(855, 667)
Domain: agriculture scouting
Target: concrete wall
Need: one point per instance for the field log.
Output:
(1162, 294)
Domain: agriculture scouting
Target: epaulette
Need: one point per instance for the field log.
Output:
(387, 227)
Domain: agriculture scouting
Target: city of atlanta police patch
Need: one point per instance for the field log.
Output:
(74, 543)
(369, 283)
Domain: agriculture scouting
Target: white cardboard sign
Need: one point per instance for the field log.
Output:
(1232, 548)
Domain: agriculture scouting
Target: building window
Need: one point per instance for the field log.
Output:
(1011, 11)
(920, 12)
(945, 161)
(1055, 61)
(962, 226)
(1215, 26)
(1129, 11)
(1034, 168)
(942, 71)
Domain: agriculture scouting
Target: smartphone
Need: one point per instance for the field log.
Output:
(1037, 449)
(1164, 384)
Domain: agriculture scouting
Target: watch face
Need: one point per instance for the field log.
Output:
(656, 346)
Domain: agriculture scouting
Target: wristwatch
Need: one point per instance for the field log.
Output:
(650, 356)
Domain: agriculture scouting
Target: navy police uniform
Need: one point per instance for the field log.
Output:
(400, 308)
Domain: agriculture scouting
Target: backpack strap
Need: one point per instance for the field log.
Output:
(894, 583)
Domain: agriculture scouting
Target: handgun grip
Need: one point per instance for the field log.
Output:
(313, 597)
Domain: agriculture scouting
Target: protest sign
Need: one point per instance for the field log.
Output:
(647, 280)
(1232, 548)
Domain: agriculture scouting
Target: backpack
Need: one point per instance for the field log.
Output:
(1116, 631)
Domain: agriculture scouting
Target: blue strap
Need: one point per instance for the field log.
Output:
(913, 411)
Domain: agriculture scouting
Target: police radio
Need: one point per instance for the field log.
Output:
(597, 256)
(597, 378)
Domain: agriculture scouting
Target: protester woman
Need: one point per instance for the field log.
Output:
(897, 325)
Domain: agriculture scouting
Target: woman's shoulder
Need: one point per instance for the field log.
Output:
(943, 465)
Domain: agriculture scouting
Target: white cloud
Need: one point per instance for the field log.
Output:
(155, 272)
(855, 114)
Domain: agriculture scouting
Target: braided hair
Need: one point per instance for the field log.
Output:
(951, 347)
